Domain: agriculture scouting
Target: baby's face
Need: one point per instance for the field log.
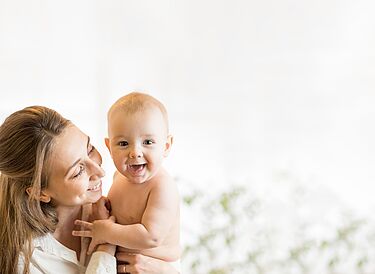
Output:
(138, 142)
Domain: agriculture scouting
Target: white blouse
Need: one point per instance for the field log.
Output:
(50, 256)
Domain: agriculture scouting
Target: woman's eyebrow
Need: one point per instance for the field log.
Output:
(75, 163)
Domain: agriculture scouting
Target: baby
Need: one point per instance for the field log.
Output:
(144, 198)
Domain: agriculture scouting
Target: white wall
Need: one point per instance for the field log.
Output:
(252, 87)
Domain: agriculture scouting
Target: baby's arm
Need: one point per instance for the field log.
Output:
(159, 216)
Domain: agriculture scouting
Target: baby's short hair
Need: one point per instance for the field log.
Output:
(137, 101)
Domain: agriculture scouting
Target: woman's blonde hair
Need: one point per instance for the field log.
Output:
(26, 143)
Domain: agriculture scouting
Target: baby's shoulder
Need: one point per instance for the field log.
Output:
(117, 183)
(164, 182)
(116, 176)
(163, 177)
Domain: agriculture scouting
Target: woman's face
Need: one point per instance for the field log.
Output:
(75, 175)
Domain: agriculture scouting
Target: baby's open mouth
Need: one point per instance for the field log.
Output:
(137, 167)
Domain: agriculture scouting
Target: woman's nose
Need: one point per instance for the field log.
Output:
(96, 169)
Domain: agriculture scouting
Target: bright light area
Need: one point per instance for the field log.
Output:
(253, 88)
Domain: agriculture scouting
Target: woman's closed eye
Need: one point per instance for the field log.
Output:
(79, 172)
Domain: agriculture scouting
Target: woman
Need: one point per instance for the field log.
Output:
(49, 175)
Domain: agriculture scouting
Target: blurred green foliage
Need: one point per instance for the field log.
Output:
(237, 230)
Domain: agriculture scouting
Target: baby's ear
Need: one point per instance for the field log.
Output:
(168, 145)
(106, 141)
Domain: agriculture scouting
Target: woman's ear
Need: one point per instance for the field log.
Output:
(43, 197)
(168, 145)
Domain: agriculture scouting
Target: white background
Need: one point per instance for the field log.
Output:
(253, 88)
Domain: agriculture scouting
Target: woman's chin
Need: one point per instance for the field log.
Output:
(94, 197)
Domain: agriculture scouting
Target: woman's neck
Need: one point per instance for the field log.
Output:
(65, 226)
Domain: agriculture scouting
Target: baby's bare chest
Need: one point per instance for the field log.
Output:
(128, 203)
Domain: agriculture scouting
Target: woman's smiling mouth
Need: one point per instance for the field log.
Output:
(95, 187)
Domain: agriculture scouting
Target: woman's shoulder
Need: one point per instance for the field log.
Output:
(48, 256)
(47, 244)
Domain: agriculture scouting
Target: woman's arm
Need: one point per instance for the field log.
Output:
(140, 264)
(102, 260)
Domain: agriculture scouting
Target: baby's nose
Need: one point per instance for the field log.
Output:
(135, 153)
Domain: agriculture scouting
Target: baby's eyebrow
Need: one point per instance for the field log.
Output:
(118, 137)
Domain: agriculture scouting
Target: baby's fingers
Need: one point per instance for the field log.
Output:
(82, 233)
(83, 224)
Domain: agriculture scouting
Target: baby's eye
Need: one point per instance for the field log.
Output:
(123, 143)
(148, 142)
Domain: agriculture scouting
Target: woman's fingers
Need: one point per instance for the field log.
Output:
(126, 262)
(141, 264)
(125, 257)
(112, 218)
(99, 209)
(108, 204)
(124, 268)
(101, 202)
(92, 247)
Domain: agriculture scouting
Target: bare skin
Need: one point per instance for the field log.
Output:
(152, 205)
(144, 198)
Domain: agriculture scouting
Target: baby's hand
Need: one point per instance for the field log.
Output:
(97, 231)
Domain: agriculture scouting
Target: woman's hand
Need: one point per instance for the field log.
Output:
(101, 209)
(140, 264)
(110, 249)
